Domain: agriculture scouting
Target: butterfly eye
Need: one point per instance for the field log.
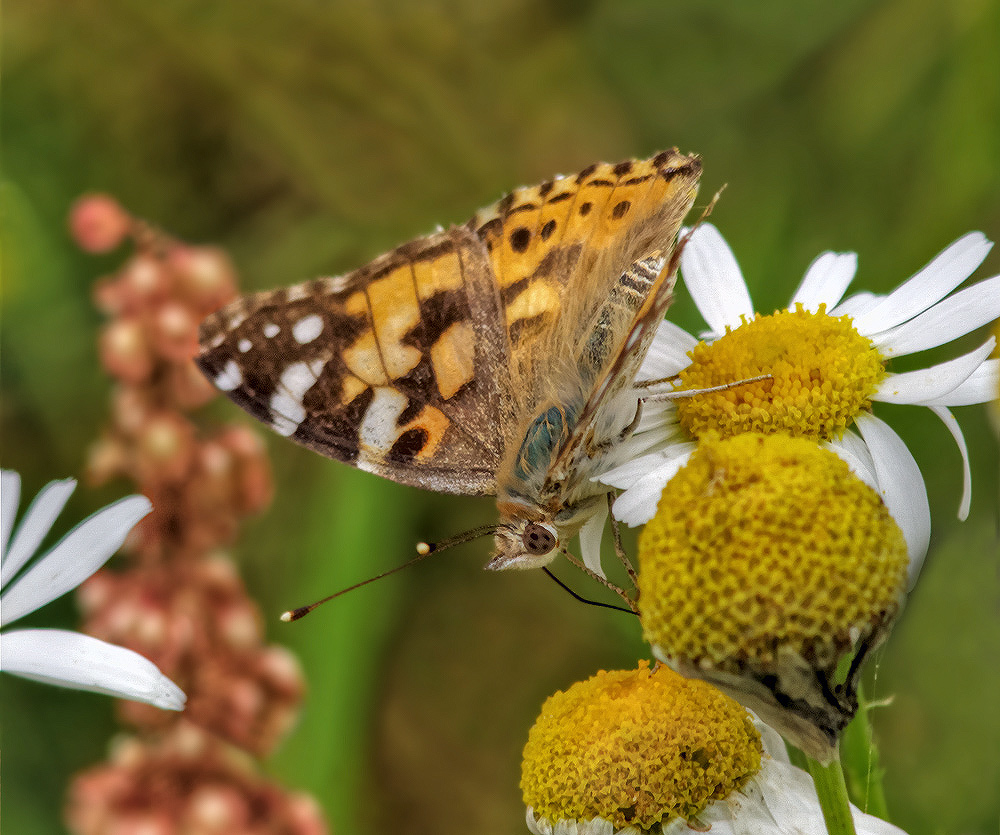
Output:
(538, 539)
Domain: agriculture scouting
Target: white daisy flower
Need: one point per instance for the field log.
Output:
(827, 356)
(56, 656)
(637, 751)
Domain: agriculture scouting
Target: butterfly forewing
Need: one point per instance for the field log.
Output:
(391, 368)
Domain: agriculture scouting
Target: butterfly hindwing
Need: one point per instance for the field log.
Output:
(559, 248)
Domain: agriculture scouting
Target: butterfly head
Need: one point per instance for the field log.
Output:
(523, 542)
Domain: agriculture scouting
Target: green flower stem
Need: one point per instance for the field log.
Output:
(833, 800)
(862, 768)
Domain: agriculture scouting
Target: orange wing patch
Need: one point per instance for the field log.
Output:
(581, 231)
(451, 359)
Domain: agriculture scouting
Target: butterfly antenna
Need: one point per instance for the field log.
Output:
(681, 394)
(711, 205)
(583, 599)
(424, 549)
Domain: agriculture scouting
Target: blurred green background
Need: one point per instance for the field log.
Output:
(306, 138)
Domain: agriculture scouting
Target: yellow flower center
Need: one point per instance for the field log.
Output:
(763, 543)
(823, 374)
(636, 748)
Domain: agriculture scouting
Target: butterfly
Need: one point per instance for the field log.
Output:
(493, 358)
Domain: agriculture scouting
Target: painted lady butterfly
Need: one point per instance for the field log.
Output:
(494, 358)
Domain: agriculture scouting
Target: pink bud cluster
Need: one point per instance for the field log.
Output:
(241, 691)
(180, 602)
(200, 487)
(187, 782)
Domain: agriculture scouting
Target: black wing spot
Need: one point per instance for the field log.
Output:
(548, 229)
(585, 208)
(621, 209)
(409, 444)
(520, 238)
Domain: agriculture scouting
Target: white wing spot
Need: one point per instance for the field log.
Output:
(336, 283)
(244, 345)
(271, 329)
(217, 340)
(307, 328)
(230, 377)
(296, 292)
(287, 411)
(378, 428)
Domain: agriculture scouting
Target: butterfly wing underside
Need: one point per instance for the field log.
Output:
(427, 365)
(559, 249)
(391, 368)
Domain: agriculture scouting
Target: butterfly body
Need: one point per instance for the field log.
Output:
(495, 358)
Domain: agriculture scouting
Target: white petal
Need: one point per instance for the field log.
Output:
(826, 280)
(10, 494)
(948, 419)
(865, 824)
(855, 445)
(901, 486)
(713, 277)
(719, 823)
(637, 505)
(627, 474)
(949, 319)
(69, 659)
(668, 354)
(539, 826)
(859, 461)
(981, 387)
(78, 555)
(935, 281)
(658, 416)
(36, 523)
(917, 387)
(771, 741)
(591, 535)
(790, 797)
(856, 305)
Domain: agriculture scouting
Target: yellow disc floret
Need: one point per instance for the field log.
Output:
(766, 543)
(636, 748)
(823, 374)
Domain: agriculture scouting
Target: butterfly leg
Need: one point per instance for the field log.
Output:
(595, 450)
(624, 595)
(648, 384)
(616, 535)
